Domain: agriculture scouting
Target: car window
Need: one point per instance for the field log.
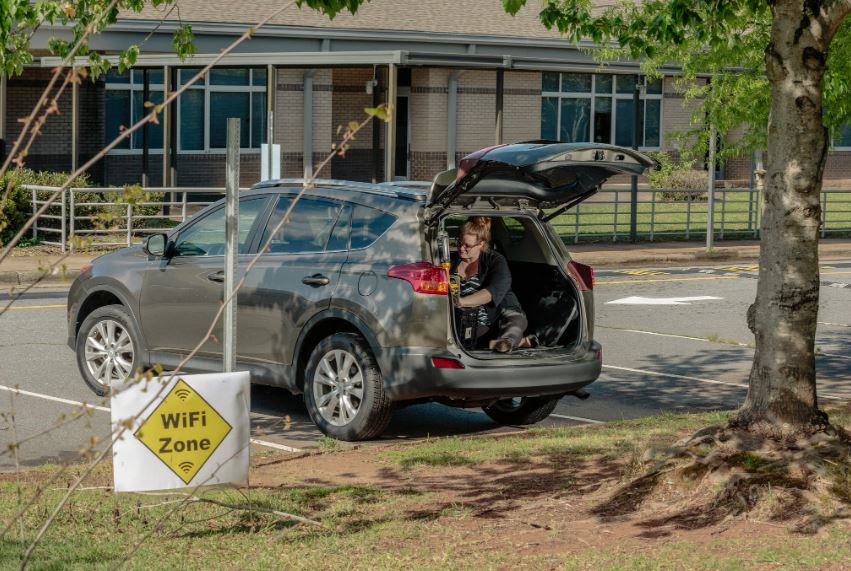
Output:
(340, 235)
(368, 224)
(207, 236)
(308, 228)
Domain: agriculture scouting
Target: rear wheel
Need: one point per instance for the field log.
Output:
(521, 410)
(344, 390)
(108, 347)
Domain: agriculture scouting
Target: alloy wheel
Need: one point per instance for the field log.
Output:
(338, 387)
(109, 352)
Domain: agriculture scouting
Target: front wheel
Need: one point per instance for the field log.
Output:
(344, 390)
(521, 410)
(108, 347)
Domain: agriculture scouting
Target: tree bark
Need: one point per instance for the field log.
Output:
(782, 385)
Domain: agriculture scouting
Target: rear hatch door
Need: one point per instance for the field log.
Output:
(538, 174)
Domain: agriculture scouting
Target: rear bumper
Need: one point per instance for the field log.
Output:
(409, 374)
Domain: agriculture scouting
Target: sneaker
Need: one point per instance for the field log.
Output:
(502, 346)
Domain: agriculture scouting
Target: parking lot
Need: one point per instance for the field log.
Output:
(674, 339)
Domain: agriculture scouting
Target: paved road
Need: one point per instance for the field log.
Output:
(694, 355)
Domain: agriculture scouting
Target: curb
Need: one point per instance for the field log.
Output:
(30, 276)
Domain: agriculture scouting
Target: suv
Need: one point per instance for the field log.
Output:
(351, 304)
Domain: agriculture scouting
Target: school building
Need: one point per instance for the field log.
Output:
(462, 73)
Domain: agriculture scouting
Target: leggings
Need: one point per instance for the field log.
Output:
(510, 324)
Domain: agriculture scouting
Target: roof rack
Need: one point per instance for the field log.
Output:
(384, 189)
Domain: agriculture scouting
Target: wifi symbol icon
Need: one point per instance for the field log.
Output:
(186, 467)
(183, 394)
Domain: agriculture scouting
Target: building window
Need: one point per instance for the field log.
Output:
(202, 110)
(125, 106)
(842, 138)
(585, 107)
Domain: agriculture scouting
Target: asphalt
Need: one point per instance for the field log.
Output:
(23, 268)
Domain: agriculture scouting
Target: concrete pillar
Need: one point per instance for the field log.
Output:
(452, 118)
(307, 146)
(390, 133)
(500, 88)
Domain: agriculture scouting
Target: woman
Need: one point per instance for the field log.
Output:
(486, 288)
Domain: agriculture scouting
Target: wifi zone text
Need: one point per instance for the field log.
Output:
(183, 420)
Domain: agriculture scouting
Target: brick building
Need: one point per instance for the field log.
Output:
(464, 75)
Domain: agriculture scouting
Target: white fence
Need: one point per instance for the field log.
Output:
(660, 214)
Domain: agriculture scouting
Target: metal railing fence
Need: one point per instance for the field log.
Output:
(660, 214)
(107, 219)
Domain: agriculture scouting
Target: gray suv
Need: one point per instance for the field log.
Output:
(351, 306)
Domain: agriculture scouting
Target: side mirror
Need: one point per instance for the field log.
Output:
(157, 245)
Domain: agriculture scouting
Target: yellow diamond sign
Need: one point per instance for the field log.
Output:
(183, 431)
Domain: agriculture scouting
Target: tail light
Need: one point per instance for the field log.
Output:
(423, 277)
(443, 363)
(583, 275)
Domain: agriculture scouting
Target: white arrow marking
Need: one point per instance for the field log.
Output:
(637, 300)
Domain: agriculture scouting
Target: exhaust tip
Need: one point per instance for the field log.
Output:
(581, 394)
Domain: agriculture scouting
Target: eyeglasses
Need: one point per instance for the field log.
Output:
(465, 246)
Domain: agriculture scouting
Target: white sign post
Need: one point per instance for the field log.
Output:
(192, 432)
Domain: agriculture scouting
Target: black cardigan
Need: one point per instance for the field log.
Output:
(496, 278)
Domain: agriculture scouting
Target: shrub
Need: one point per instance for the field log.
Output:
(17, 208)
(672, 179)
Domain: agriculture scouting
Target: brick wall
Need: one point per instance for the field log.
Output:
(51, 150)
(521, 106)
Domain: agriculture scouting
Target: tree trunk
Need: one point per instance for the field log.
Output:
(782, 385)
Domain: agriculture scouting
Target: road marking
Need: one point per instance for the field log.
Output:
(637, 300)
(665, 280)
(578, 418)
(686, 378)
(51, 398)
(53, 306)
(833, 273)
(644, 272)
(738, 268)
(703, 339)
(274, 445)
(106, 409)
(833, 324)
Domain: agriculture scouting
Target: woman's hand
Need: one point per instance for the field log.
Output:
(481, 297)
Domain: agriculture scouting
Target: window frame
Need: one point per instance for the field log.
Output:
(614, 96)
(273, 207)
(204, 85)
(250, 240)
(132, 86)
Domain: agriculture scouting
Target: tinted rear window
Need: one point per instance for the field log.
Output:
(368, 224)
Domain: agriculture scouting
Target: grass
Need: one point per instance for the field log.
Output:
(596, 221)
(612, 440)
(409, 525)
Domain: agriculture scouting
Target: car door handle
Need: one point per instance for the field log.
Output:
(315, 280)
(217, 276)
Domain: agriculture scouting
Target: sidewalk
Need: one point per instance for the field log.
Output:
(24, 267)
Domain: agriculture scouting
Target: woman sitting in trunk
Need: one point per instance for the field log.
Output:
(486, 295)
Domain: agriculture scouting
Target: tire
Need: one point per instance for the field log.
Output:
(364, 410)
(108, 347)
(522, 410)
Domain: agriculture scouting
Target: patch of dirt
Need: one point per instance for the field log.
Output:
(574, 504)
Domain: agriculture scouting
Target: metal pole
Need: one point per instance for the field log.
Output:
(500, 88)
(71, 219)
(75, 126)
(710, 208)
(146, 141)
(307, 146)
(62, 221)
(376, 130)
(35, 209)
(636, 125)
(166, 119)
(390, 133)
(129, 225)
(231, 244)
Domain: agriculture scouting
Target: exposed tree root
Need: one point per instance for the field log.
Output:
(722, 472)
